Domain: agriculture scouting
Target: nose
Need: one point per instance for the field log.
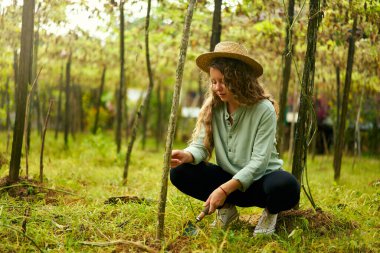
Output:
(218, 86)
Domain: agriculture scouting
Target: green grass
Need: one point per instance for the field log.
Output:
(91, 169)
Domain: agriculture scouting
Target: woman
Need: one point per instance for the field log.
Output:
(238, 119)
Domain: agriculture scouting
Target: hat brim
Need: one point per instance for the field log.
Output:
(204, 60)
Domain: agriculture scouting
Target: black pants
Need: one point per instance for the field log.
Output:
(277, 191)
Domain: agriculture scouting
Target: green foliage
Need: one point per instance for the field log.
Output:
(92, 170)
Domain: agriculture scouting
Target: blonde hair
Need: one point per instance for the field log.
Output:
(243, 84)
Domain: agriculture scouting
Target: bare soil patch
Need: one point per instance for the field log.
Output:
(30, 190)
(319, 221)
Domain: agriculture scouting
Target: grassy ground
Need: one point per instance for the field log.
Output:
(57, 221)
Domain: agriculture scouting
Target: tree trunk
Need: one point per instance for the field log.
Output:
(150, 74)
(59, 111)
(305, 115)
(36, 100)
(119, 106)
(95, 128)
(358, 151)
(347, 83)
(285, 78)
(15, 71)
(81, 116)
(32, 100)
(295, 109)
(159, 117)
(27, 126)
(26, 55)
(338, 103)
(172, 121)
(67, 102)
(200, 90)
(216, 24)
(8, 105)
(43, 142)
(318, 133)
(74, 111)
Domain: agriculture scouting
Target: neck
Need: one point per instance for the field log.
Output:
(232, 107)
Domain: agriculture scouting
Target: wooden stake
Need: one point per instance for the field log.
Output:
(26, 123)
(43, 142)
(172, 121)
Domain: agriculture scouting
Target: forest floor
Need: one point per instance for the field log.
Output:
(82, 205)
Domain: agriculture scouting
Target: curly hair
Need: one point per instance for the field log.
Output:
(243, 84)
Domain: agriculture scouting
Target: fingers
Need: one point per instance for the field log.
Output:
(212, 209)
(176, 159)
(215, 200)
(175, 162)
(176, 153)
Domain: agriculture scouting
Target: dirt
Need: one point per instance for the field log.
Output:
(318, 221)
(29, 190)
(178, 244)
(128, 199)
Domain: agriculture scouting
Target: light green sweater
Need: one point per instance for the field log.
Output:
(247, 148)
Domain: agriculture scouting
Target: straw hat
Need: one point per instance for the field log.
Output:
(228, 49)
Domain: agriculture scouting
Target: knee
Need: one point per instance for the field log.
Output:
(284, 195)
(287, 188)
(177, 174)
(292, 191)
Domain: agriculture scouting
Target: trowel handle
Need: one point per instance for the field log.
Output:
(203, 213)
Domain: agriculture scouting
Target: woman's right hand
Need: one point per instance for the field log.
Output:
(179, 157)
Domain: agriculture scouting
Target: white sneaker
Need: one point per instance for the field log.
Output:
(266, 224)
(225, 216)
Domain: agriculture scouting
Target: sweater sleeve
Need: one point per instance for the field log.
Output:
(197, 148)
(261, 152)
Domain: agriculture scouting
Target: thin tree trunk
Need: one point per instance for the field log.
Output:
(318, 133)
(8, 105)
(172, 122)
(150, 74)
(3, 95)
(31, 99)
(15, 71)
(295, 110)
(200, 90)
(347, 83)
(358, 151)
(26, 55)
(95, 128)
(285, 78)
(59, 111)
(74, 111)
(159, 116)
(67, 102)
(305, 115)
(338, 103)
(43, 143)
(81, 115)
(36, 100)
(216, 24)
(119, 107)
(26, 126)
(37, 106)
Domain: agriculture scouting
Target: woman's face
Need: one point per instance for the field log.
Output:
(218, 86)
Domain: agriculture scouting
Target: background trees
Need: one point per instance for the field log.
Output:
(89, 32)
(24, 78)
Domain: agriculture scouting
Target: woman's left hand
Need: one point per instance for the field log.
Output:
(215, 200)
